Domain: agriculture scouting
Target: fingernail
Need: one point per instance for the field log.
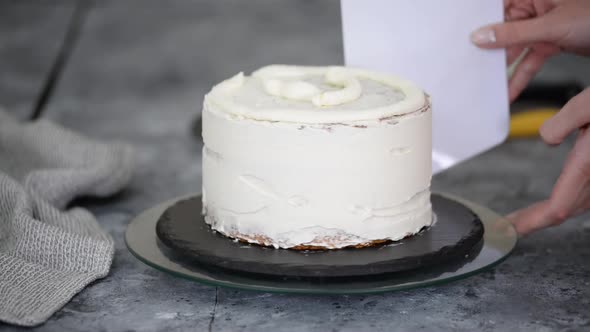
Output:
(483, 36)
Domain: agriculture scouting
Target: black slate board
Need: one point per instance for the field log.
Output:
(182, 229)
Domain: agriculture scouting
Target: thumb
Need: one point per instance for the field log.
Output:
(513, 33)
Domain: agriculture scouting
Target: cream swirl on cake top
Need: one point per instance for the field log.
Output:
(301, 90)
(315, 95)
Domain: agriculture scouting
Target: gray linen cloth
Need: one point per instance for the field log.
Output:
(48, 252)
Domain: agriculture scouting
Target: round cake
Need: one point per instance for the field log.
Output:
(317, 157)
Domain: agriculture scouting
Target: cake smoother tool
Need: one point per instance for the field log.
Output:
(428, 43)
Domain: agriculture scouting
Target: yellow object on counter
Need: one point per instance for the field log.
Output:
(528, 123)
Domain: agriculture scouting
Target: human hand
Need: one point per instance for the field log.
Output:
(571, 193)
(542, 28)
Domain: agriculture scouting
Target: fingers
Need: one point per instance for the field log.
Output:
(572, 190)
(531, 218)
(512, 33)
(575, 114)
(524, 72)
(517, 13)
(572, 182)
(565, 198)
(543, 7)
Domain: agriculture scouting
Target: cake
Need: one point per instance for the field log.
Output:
(317, 157)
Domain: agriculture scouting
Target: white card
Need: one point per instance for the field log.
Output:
(427, 41)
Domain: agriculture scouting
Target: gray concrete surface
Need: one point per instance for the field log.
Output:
(139, 74)
(31, 33)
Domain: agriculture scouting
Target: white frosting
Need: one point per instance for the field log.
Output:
(305, 91)
(282, 93)
(351, 88)
(277, 170)
(296, 90)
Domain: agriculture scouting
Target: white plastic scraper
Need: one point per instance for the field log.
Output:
(427, 42)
